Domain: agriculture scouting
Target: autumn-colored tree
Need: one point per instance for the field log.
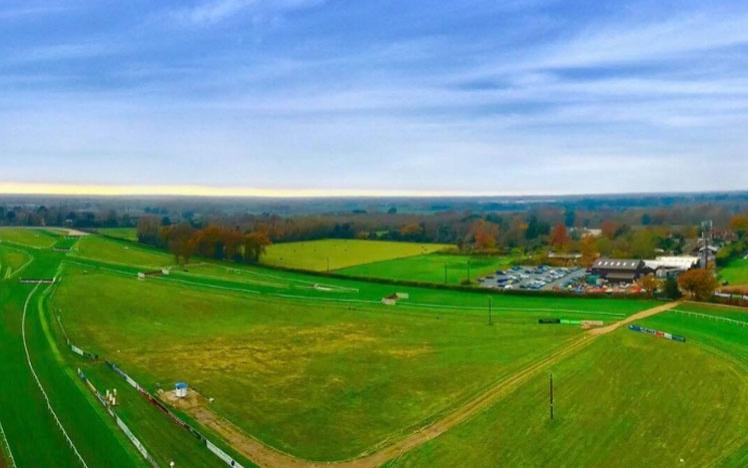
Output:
(698, 283)
(609, 228)
(739, 225)
(178, 239)
(209, 242)
(412, 231)
(559, 237)
(254, 245)
(588, 248)
(484, 235)
(650, 284)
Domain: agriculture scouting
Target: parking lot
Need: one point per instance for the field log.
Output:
(541, 277)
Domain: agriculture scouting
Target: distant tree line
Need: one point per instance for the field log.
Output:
(221, 230)
(183, 240)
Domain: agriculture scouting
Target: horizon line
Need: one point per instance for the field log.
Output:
(206, 191)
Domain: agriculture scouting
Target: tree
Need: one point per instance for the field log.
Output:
(254, 245)
(588, 247)
(698, 283)
(209, 242)
(536, 228)
(559, 237)
(149, 230)
(643, 244)
(484, 235)
(650, 284)
(609, 228)
(413, 231)
(179, 241)
(739, 225)
(671, 289)
(570, 217)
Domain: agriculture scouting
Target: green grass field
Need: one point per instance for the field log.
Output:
(36, 238)
(431, 268)
(334, 254)
(736, 273)
(30, 430)
(121, 252)
(11, 261)
(364, 372)
(129, 234)
(628, 400)
(319, 368)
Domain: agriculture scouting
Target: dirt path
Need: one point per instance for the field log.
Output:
(264, 455)
(633, 318)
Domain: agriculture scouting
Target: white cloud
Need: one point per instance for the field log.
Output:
(214, 11)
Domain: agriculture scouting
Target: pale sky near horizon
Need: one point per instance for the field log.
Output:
(373, 97)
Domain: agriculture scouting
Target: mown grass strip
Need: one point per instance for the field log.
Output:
(38, 382)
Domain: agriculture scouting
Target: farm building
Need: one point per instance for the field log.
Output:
(618, 270)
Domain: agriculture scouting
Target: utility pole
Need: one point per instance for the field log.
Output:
(550, 392)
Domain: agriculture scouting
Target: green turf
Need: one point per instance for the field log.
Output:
(364, 373)
(628, 400)
(433, 268)
(12, 261)
(121, 252)
(37, 238)
(129, 234)
(34, 437)
(164, 440)
(334, 254)
(316, 366)
(735, 273)
(66, 243)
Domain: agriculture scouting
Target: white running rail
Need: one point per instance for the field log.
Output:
(39, 384)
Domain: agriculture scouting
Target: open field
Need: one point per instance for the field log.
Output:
(37, 238)
(431, 268)
(628, 400)
(334, 254)
(129, 234)
(11, 261)
(318, 368)
(121, 252)
(364, 372)
(736, 273)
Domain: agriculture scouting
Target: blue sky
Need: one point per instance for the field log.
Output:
(333, 96)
